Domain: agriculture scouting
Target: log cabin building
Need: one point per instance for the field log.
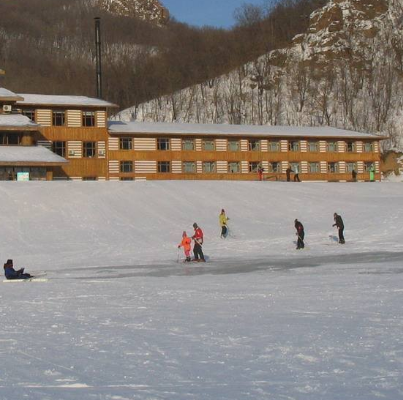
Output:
(70, 137)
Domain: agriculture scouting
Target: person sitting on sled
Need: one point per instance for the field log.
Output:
(11, 273)
(186, 244)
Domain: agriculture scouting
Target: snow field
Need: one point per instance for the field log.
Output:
(119, 318)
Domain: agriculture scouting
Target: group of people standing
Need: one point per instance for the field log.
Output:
(338, 223)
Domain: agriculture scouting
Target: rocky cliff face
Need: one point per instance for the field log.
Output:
(149, 10)
(346, 71)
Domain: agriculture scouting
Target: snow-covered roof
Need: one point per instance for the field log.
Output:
(56, 100)
(27, 154)
(17, 121)
(8, 95)
(182, 129)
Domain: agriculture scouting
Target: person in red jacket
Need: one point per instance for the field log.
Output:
(198, 242)
(186, 243)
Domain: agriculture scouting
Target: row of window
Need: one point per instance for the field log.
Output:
(164, 144)
(89, 149)
(235, 167)
(59, 117)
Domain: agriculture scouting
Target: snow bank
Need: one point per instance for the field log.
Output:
(119, 318)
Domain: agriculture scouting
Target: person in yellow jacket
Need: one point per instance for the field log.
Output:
(223, 219)
(186, 243)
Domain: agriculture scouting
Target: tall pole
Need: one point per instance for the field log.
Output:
(98, 56)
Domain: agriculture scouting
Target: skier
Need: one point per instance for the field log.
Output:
(300, 233)
(11, 273)
(222, 218)
(198, 242)
(186, 244)
(260, 171)
(338, 222)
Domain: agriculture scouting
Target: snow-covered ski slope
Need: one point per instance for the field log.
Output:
(120, 318)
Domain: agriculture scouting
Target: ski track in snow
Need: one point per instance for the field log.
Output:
(120, 319)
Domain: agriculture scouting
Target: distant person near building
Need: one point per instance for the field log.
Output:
(338, 222)
(288, 173)
(260, 171)
(372, 173)
(354, 175)
(296, 176)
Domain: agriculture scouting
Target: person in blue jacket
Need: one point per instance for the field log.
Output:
(11, 273)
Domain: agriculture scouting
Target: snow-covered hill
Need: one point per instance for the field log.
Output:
(149, 10)
(120, 318)
(345, 71)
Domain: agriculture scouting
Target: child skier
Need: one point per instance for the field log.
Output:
(186, 244)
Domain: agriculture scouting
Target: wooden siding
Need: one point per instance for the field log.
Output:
(322, 146)
(284, 146)
(101, 149)
(114, 167)
(145, 144)
(74, 118)
(113, 143)
(44, 117)
(304, 146)
(100, 117)
(198, 145)
(74, 149)
(176, 167)
(221, 144)
(176, 144)
(244, 145)
(145, 167)
(222, 167)
(264, 146)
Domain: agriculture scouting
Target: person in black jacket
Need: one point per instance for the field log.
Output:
(300, 233)
(338, 221)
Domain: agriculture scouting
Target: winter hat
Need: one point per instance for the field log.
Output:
(195, 225)
(222, 210)
(9, 261)
(184, 233)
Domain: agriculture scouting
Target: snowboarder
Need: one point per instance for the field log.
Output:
(11, 273)
(338, 222)
(186, 244)
(198, 242)
(288, 173)
(300, 233)
(223, 219)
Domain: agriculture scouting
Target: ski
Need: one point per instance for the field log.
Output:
(33, 279)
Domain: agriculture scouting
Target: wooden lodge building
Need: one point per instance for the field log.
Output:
(45, 137)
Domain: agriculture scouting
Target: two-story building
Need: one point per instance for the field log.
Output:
(70, 137)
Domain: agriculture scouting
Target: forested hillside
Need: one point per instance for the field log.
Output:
(345, 70)
(47, 46)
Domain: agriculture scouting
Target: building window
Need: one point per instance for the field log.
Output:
(163, 144)
(274, 146)
(209, 167)
(208, 145)
(126, 178)
(30, 114)
(253, 166)
(89, 178)
(126, 143)
(88, 118)
(254, 145)
(189, 167)
(332, 147)
(126, 166)
(58, 118)
(234, 167)
(89, 149)
(368, 147)
(164, 166)
(293, 145)
(188, 144)
(275, 166)
(314, 168)
(350, 147)
(350, 167)
(10, 139)
(313, 147)
(233, 145)
(333, 168)
(369, 166)
(59, 148)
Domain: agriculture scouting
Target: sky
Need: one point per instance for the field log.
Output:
(217, 13)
